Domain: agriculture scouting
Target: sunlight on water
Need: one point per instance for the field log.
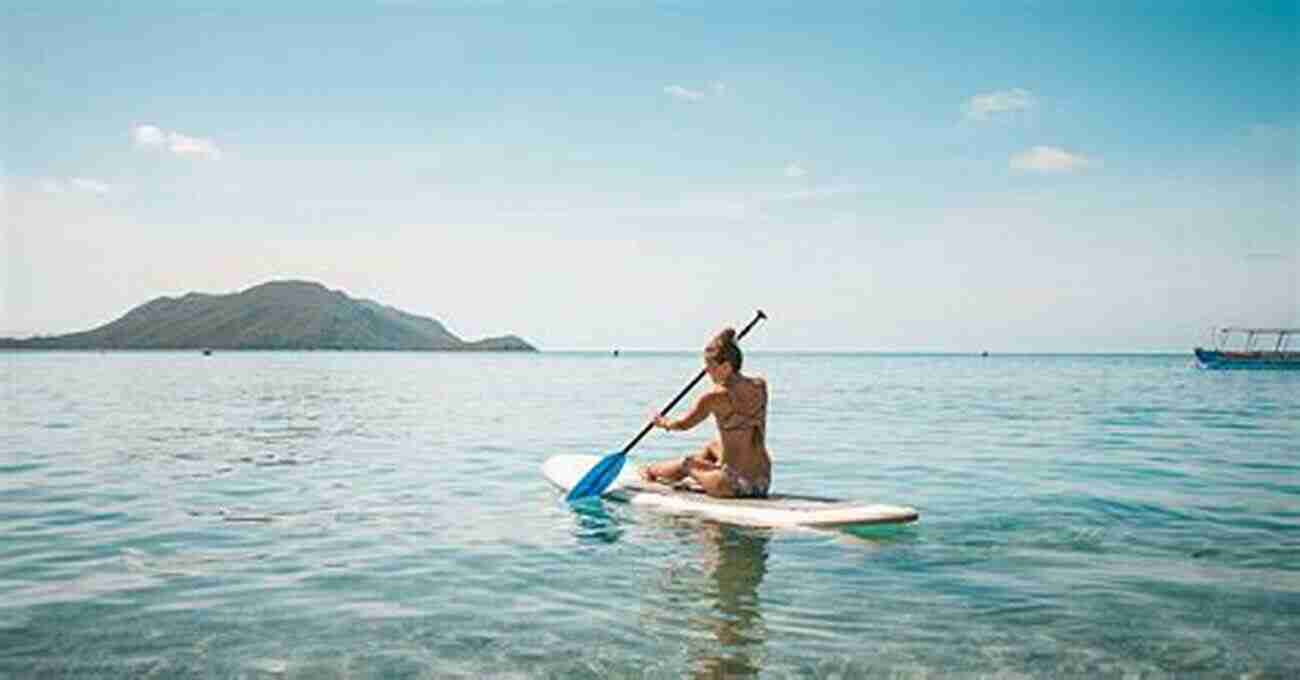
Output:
(376, 515)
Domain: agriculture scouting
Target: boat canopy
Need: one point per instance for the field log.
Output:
(1264, 331)
(1221, 335)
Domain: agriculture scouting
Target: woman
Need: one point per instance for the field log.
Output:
(736, 464)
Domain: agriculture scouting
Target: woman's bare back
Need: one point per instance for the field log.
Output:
(742, 426)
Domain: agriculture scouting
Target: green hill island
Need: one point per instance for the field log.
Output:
(280, 315)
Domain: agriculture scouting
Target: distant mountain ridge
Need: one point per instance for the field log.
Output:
(274, 315)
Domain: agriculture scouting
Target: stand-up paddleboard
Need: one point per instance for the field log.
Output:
(777, 510)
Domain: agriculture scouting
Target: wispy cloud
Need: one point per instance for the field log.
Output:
(1267, 256)
(683, 93)
(813, 194)
(725, 205)
(1272, 133)
(687, 94)
(90, 185)
(1273, 143)
(1050, 159)
(991, 104)
(55, 186)
(795, 170)
(152, 136)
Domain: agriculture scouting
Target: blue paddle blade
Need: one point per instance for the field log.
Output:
(598, 478)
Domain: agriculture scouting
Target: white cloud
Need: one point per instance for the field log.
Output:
(716, 89)
(1050, 159)
(148, 135)
(183, 145)
(50, 186)
(152, 136)
(683, 93)
(990, 104)
(794, 170)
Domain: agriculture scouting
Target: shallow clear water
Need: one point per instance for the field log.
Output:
(382, 514)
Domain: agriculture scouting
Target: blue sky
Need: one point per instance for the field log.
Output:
(877, 176)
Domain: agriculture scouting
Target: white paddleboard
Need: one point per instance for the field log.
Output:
(777, 510)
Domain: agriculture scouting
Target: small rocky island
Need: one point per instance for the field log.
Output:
(280, 315)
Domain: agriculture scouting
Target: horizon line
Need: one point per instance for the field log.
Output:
(567, 350)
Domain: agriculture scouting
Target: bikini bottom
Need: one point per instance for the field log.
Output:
(745, 487)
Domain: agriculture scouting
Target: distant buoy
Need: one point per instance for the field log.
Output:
(615, 352)
(207, 352)
(984, 353)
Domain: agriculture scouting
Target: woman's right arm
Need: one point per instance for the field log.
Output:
(701, 410)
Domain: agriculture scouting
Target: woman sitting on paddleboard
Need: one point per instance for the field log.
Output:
(736, 464)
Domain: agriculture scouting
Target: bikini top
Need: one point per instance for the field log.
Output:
(748, 408)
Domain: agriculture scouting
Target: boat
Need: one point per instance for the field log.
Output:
(1245, 355)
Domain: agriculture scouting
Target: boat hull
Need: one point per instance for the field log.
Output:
(1220, 359)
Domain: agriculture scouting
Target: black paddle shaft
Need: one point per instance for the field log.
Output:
(650, 425)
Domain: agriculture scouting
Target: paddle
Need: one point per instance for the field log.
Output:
(606, 471)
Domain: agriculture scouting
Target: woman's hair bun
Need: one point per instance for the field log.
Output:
(723, 347)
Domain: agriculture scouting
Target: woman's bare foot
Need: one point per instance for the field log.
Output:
(682, 484)
(664, 472)
(650, 476)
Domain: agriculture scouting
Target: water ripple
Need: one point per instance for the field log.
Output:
(374, 515)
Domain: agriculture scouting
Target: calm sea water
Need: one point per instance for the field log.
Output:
(322, 515)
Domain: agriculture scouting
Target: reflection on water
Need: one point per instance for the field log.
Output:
(734, 561)
(712, 600)
(593, 523)
(704, 599)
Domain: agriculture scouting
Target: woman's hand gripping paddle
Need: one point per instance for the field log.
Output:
(606, 471)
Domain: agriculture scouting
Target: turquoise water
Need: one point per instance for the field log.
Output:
(322, 515)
